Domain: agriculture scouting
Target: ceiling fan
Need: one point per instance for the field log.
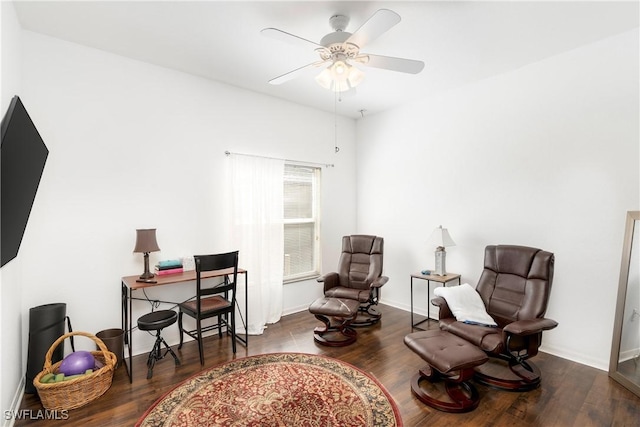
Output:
(340, 50)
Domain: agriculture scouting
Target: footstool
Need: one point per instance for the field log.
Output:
(451, 359)
(344, 311)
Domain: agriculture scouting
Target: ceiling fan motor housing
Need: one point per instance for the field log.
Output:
(339, 22)
(335, 45)
(335, 41)
(337, 37)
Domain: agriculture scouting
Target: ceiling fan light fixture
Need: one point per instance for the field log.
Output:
(341, 87)
(340, 70)
(324, 79)
(340, 76)
(355, 76)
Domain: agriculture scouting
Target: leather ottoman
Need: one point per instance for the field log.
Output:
(344, 311)
(451, 359)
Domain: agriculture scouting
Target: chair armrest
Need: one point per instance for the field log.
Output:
(379, 282)
(330, 280)
(530, 327)
(445, 311)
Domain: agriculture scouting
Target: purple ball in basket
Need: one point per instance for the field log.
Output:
(77, 363)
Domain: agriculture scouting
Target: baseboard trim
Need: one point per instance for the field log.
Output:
(293, 310)
(629, 354)
(15, 404)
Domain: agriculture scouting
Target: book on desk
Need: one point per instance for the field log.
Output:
(169, 267)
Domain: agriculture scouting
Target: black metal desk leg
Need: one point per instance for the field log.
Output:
(428, 306)
(126, 326)
(411, 302)
(246, 308)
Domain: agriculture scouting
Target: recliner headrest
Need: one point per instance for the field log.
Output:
(522, 261)
(360, 243)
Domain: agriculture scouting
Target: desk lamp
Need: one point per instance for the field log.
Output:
(145, 243)
(441, 238)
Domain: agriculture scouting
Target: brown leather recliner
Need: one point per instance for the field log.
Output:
(515, 287)
(359, 276)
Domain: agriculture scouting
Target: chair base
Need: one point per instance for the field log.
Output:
(508, 375)
(339, 335)
(156, 354)
(368, 315)
(462, 395)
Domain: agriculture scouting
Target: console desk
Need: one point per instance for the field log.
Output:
(129, 284)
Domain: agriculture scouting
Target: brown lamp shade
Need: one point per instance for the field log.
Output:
(146, 241)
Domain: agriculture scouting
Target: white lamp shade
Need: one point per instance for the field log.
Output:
(441, 238)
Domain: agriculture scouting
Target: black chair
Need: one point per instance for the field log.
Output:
(216, 301)
(157, 321)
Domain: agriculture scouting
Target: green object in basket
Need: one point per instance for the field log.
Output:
(47, 378)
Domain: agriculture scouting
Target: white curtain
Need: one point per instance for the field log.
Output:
(257, 232)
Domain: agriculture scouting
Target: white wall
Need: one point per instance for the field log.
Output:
(134, 145)
(11, 356)
(544, 156)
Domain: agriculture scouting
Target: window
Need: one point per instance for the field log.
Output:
(301, 222)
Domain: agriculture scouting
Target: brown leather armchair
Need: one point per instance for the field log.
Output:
(515, 287)
(359, 276)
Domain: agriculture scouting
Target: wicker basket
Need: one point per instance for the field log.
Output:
(79, 391)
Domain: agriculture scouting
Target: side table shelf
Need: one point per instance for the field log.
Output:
(449, 277)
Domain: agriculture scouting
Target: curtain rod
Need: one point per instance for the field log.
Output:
(327, 165)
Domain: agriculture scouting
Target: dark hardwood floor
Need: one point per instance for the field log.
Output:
(571, 394)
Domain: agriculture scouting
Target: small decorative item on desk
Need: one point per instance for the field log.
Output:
(188, 263)
(441, 238)
(172, 266)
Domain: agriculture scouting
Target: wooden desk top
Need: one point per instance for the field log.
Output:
(441, 279)
(167, 279)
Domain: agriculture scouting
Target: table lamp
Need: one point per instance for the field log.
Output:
(145, 243)
(441, 238)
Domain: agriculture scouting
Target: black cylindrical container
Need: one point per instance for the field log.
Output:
(46, 324)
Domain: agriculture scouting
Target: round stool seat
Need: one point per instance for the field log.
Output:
(157, 320)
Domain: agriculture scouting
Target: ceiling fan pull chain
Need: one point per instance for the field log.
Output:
(335, 121)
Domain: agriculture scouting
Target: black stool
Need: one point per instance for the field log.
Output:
(156, 321)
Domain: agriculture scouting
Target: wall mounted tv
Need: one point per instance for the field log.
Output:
(22, 158)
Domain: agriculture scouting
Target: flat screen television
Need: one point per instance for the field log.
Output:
(22, 158)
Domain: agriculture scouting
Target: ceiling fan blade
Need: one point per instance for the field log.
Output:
(274, 33)
(295, 73)
(381, 21)
(403, 65)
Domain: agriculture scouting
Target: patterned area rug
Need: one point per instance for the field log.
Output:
(280, 389)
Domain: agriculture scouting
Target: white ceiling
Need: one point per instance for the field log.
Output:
(460, 42)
